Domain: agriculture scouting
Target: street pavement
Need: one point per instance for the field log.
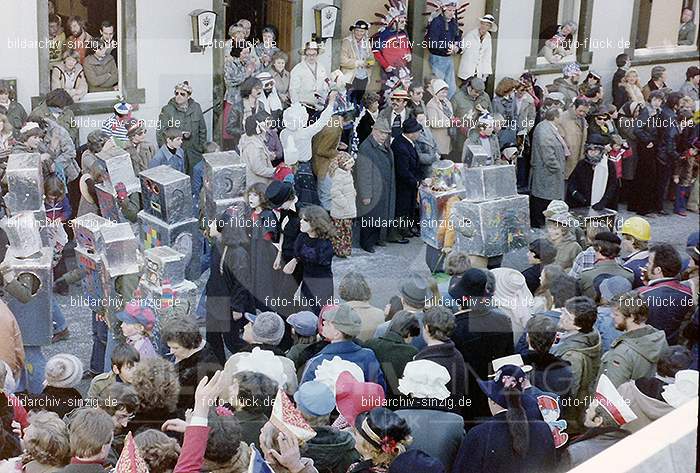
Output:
(384, 271)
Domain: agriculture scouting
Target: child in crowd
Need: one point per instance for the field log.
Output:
(137, 324)
(314, 251)
(63, 374)
(171, 153)
(561, 234)
(124, 358)
(304, 330)
(58, 212)
(140, 151)
(262, 250)
(620, 150)
(343, 208)
(684, 176)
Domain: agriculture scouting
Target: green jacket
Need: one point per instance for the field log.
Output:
(190, 120)
(393, 353)
(609, 267)
(66, 119)
(567, 250)
(633, 355)
(100, 384)
(16, 114)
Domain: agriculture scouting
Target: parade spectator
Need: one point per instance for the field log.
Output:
(171, 152)
(254, 153)
(236, 72)
(46, 444)
(270, 100)
(124, 358)
(140, 150)
(159, 451)
(343, 203)
(686, 32)
(397, 112)
(647, 131)
(281, 76)
(69, 75)
(444, 40)
(11, 108)
(79, 39)
(541, 253)
(325, 146)
(368, 116)
(685, 175)
(414, 294)
(568, 83)
(656, 82)
(635, 234)
(308, 80)
(483, 134)
(266, 49)
(556, 287)
(356, 60)
(6, 139)
(408, 176)
(90, 431)
(439, 113)
(606, 247)
(100, 69)
(504, 103)
(690, 86)
(476, 52)
(631, 87)
(355, 291)
(251, 394)
(550, 373)
(561, 234)
(622, 61)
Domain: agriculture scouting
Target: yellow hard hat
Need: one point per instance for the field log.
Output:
(637, 227)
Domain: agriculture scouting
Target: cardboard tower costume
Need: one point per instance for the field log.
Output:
(224, 181)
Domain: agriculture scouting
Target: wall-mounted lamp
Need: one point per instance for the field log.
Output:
(325, 16)
(203, 22)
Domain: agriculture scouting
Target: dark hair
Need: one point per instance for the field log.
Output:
(354, 287)
(592, 91)
(673, 99)
(319, 220)
(224, 438)
(385, 423)
(125, 355)
(235, 50)
(416, 84)
(621, 59)
(106, 24)
(53, 185)
(256, 391)
(59, 98)
(606, 248)
(248, 85)
(667, 258)
(405, 324)
(55, 19)
(541, 332)
(584, 311)
(672, 360)
(269, 29)
(631, 305)
(285, 56)
(75, 19)
(457, 263)
(543, 250)
(258, 189)
(158, 450)
(181, 330)
(395, 305)
(518, 425)
(439, 322)
(691, 72)
(551, 113)
(120, 396)
(370, 98)
(562, 288)
(581, 102)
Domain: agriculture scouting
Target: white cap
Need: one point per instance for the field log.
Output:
(329, 370)
(612, 401)
(425, 379)
(684, 389)
(516, 360)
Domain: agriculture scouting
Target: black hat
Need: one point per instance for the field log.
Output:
(279, 192)
(610, 237)
(411, 125)
(360, 24)
(471, 284)
(597, 140)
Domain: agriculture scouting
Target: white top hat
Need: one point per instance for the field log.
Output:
(612, 401)
(492, 20)
(425, 379)
(684, 389)
(516, 360)
(329, 370)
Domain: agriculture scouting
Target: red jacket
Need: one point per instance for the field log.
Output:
(193, 447)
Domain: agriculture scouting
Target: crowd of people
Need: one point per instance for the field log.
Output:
(488, 369)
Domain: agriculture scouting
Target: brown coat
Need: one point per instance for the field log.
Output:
(11, 347)
(439, 123)
(141, 155)
(574, 131)
(324, 146)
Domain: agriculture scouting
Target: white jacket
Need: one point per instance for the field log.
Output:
(343, 195)
(303, 86)
(476, 56)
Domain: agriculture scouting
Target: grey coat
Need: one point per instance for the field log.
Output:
(375, 179)
(428, 151)
(548, 161)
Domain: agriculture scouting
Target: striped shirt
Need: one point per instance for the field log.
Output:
(115, 128)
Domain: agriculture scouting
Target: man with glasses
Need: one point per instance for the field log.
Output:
(184, 113)
(397, 112)
(308, 81)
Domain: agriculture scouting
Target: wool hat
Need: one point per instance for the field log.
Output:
(411, 125)
(353, 397)
(268, 327)
(556, 207)
(477, 83)
(135, 313)
(258, 361)
(683, 389)
(490, 19)
(360, 24)
(516, 360)
(471, 284)
(571, 69)
(425, 379)
(511, 292)
(610, 237)
(329, 371)
(607, 397)
(287, 418)
(304, 323)
(184, 86)
(278, 192)
(614, 286)
(436, 85)
(122, 108)
(414, 290)
(508, 376)
(382, 124)
(64, 371)
(315, 399)
(399, 93)
(345, 320)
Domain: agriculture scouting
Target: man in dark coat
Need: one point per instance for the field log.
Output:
(582, 182)
(183, 113)
(550, 373)
(622, 61)
(375, 179)
(408, 175)
(482, 333)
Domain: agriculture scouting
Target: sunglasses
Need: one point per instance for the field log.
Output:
(183, 94)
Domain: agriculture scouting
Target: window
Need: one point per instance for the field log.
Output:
(94, 35)
(664, 30)
(559, 28)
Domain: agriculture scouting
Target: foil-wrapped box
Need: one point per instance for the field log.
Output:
(25, 183)
(121, 250)
(475, 155)
(488, 182)
(34, 317)
(119, 168)
(182, 237)
(434, 214)
(224, 180)
(23, 234)
(87, 232)
(492, 227)
(107, 201)
(166, 194)
(164, 266)
(98, 288)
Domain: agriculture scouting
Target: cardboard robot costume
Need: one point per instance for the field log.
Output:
(224, 180)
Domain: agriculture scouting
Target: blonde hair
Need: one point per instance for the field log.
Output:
(156, 383)
(47, 442)
(629, 73)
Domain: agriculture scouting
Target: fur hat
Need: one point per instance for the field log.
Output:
(64, 371)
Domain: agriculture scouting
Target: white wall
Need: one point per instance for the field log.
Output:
(18, 22)
(514, 37)
(308, 27)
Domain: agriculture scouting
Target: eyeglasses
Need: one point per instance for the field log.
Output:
(183, 94)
